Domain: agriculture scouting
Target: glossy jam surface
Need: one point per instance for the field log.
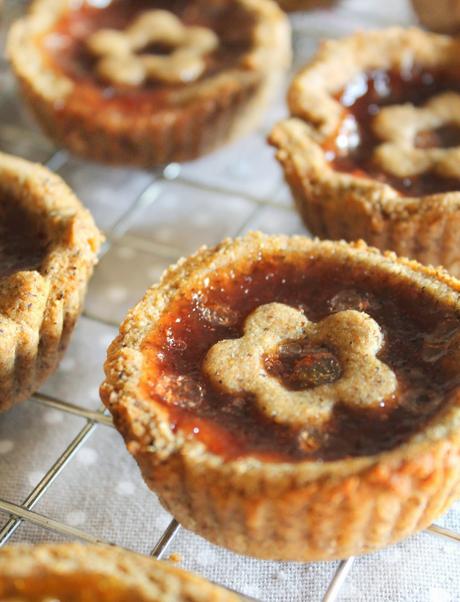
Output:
(22, 246)
(352, 149)
(418, 341)
(65, 47)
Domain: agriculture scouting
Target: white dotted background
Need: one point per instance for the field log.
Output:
(152, 222)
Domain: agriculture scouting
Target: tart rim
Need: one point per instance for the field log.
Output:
(134, 416)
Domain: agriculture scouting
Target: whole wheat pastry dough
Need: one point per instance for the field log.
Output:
(400, 127)
(236, 364)
(76, 573)
(131, 82)
(48, 248)
(372, 146)
(293, 399)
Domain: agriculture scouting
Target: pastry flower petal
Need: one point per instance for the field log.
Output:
(237, 365)
(403, 152)
(120, 57)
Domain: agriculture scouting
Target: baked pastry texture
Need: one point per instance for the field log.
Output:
(442, 15)
(77, 573)
(136, 83)
(293, 399)
(48, 247)
(371, 150)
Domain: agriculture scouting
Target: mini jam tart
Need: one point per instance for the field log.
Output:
(294, 399)
(48, 247)
(145, 82)
(372, 149)
(77, 573)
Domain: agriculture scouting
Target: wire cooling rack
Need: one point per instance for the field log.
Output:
(87, 487)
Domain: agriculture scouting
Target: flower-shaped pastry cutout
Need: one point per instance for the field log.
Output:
(410, 141)
(122, 62)
(237, 366)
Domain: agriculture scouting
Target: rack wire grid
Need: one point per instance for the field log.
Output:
(64, 472)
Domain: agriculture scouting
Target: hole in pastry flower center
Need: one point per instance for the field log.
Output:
(446, 136)
(158, 49)
(302, 365)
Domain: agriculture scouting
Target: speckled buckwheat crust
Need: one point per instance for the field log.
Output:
(97, 574)
(342, 206)
(213, 111)
(38, 309)
(308, 510)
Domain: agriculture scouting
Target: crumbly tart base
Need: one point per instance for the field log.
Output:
(342, 206)
(308, 510)
(97, 574)
(207, 114)
(39, 308)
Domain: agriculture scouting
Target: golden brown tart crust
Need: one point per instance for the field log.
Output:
(48, 250)
(160, 122)
(73, 572)
(402, 193)
(244, 454)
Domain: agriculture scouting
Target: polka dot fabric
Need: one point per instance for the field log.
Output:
(150, 221)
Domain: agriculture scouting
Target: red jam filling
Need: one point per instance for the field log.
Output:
(66, 49)
(352, 149)
(418, 336)
(22, 246)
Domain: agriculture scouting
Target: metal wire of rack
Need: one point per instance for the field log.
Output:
(98, 419)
